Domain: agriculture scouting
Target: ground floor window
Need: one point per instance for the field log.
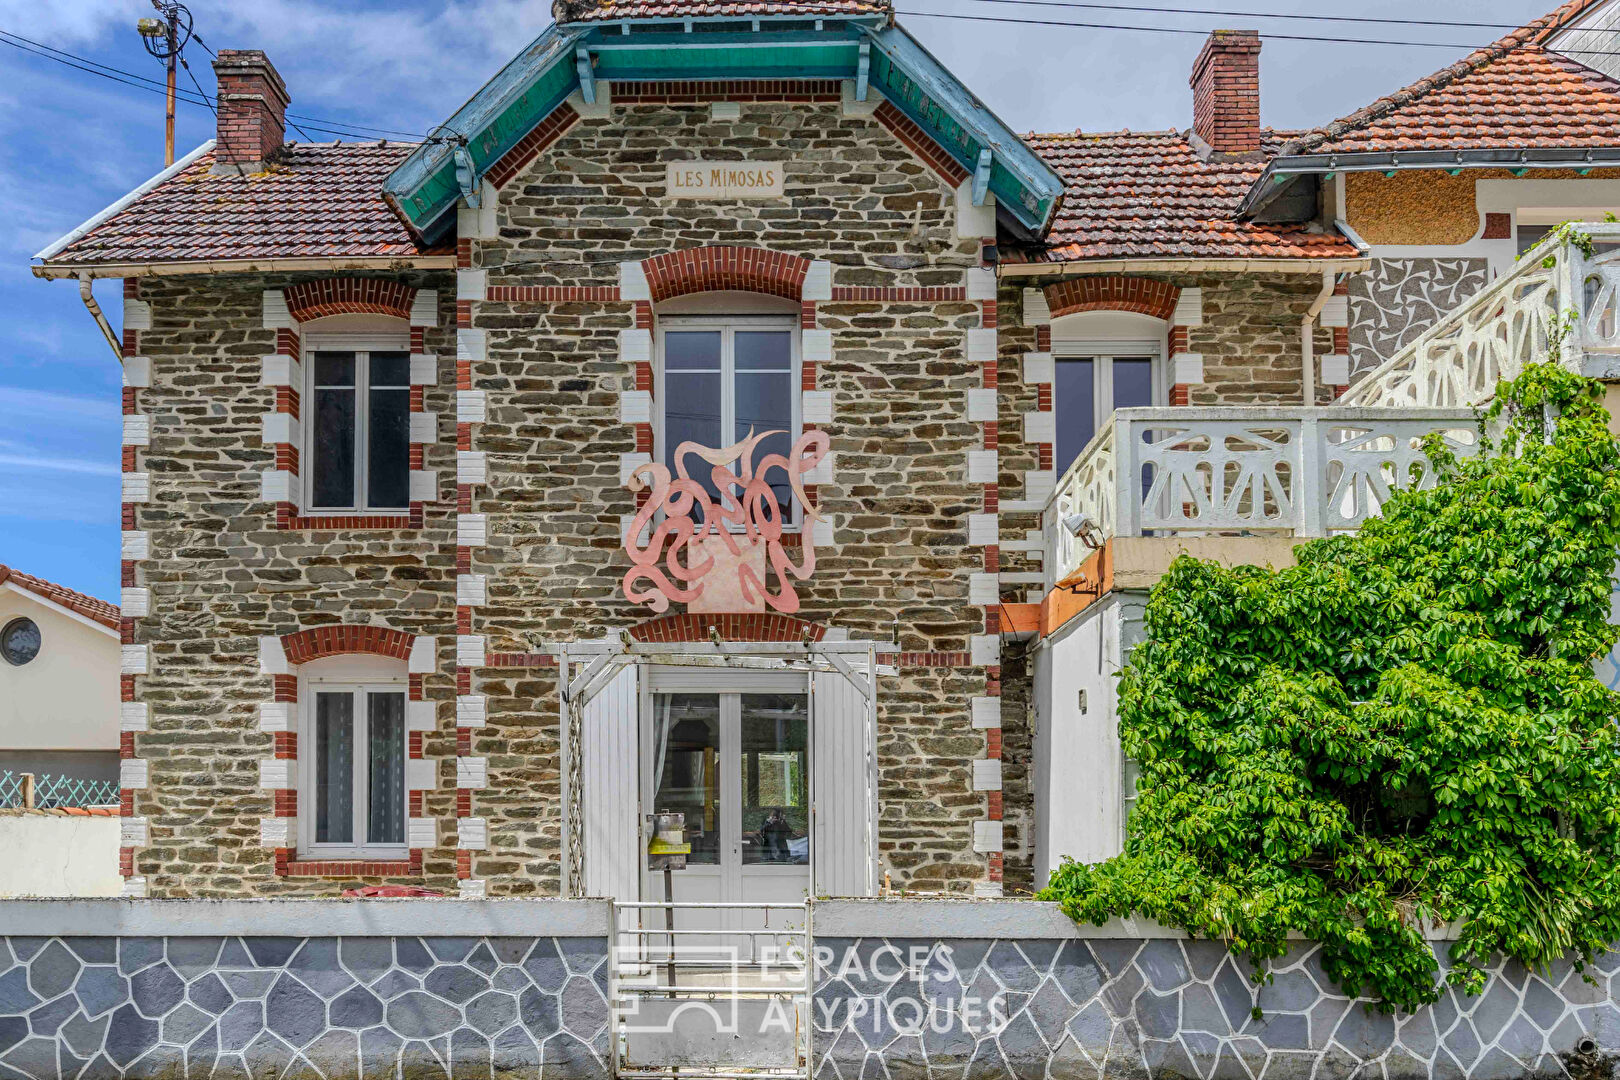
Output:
(353, 756)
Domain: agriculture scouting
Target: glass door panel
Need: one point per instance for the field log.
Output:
(775, 730)
(687, 748)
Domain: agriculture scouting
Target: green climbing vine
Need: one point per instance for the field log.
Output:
(1402, 730)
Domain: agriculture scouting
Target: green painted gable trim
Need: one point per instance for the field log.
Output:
(425, 188)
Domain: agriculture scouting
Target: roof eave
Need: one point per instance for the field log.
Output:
(172, 268)
(1280, 169)
(1285, 265)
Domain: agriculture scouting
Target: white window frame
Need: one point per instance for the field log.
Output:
(362, 345)
(729, 324)
(354, 678)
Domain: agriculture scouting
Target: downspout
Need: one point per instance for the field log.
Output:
(94, 308)
(1307, 335)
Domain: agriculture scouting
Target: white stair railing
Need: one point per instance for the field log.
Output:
(1492, 335)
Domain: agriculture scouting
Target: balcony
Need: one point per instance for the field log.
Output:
(1241, 471)
(1304, 472)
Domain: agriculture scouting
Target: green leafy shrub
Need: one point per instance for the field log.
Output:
(1402, 729)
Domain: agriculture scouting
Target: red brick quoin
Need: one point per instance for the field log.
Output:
(323, 641)
(348, 296)
(712, 269)
(1144, 296)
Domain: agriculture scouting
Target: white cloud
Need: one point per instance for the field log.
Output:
(35, 408)
(58, 464)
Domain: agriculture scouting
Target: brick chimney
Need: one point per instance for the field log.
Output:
(1226, 92)
(252, 111)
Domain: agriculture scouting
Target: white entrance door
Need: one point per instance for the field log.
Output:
(734, 757)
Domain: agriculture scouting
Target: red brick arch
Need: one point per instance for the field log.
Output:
(1120, 292)
(743, 626)
(323, 641)
(349, 296)
(714, 269)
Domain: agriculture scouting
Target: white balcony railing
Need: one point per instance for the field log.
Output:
(1240, 471)
(1554, 291)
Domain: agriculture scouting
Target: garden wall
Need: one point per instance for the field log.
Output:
(309, 988)
(1007, 988)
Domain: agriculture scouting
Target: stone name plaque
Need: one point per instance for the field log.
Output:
(725, 180)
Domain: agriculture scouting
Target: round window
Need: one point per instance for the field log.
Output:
(19, 641)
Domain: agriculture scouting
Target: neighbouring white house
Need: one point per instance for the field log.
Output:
(59, 736)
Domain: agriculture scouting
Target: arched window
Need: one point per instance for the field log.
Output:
(352, 750)
(728, 365)
(1103, 360)
(356, 414)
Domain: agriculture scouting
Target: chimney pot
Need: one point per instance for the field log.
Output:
(1226, 92)
(252, 111)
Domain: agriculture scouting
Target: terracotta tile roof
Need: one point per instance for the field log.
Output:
(323, 201)
(599, 10)
(102, 612)
(1144, 195)
(1513, 93)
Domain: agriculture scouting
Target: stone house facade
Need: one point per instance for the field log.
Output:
(393, 412)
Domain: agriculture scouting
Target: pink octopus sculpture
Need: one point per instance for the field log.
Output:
(714, 558)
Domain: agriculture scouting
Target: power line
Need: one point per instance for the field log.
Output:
(1387, 42)
(1255, 14)
(141, 82)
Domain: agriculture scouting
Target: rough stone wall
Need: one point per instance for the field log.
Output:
(899, 498)
(222, 575)
(1124, 1007)
(110, 1008)
(1250, 339)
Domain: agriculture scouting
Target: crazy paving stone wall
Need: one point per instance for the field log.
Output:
(545, 320)
(107, 1008)
(221, 574)
(1079, 1010)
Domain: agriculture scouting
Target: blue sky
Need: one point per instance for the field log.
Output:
(71, 143)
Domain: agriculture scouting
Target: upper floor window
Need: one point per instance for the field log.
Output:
(724, 378)
(1091, 381)
(352, 750)
(358, 453)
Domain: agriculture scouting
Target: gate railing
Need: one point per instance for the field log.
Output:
(719, 991)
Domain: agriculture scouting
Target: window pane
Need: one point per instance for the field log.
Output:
(334, 768)
(333, 432)
(334, 369)
(692, 350)
(764, 402)
(391, 369)
(689, 778)
(763, 350)
(1075, 398)
(385, 775)
(776, 779)
(692, 413)
(388, 461)
(1133, 382)
(1528, 236)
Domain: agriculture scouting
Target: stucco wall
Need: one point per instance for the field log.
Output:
(45, 854)
(66, 698)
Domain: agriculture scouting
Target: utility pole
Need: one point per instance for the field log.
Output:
(164, 38)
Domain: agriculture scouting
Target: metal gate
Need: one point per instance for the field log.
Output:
(717, 991)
